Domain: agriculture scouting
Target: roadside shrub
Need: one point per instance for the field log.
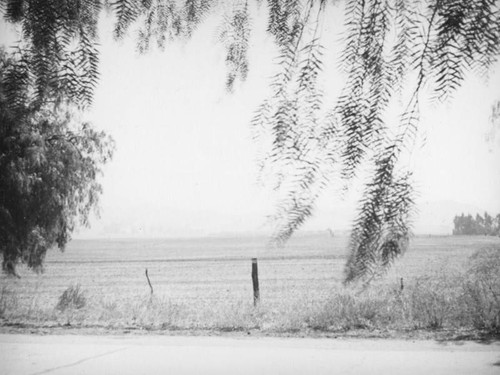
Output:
(347, 310)
(431, 302)
(481, 289)
(72, 298)
(150, 313)
(237, 316)
(6, 300)
(285, 315)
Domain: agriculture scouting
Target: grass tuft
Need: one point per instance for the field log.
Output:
(72, 298)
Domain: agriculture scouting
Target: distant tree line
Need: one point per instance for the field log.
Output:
(481, 225)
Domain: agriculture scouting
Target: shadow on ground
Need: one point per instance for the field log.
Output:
(486, 338)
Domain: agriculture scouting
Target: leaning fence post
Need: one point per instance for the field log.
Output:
(149, 282)
(255, 282)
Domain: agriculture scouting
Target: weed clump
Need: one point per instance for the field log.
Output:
(482, 289)
(72, 298)
(6, 301)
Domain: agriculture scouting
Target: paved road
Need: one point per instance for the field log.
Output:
(72, 354)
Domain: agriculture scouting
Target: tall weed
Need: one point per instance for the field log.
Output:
(481, 289)
(72, 298)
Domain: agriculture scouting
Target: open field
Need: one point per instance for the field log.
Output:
(206, 284)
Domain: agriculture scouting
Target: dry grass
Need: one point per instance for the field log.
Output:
(449, 284)
(465, 299)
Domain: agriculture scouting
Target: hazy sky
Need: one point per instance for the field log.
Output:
(185, 160)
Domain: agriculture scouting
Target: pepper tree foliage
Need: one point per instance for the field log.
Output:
(49, 160)
(394, 51)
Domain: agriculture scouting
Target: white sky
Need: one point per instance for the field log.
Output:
(185, 162)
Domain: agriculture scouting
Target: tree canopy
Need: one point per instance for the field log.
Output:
(486, 225)
(394, 51)
(49, 164)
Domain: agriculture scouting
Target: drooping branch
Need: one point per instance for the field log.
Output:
(381, 230)
(234, 34)
(393, 49)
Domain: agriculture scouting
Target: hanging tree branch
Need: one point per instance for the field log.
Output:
(389, 45)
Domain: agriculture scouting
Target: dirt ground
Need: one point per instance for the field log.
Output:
(160, 354)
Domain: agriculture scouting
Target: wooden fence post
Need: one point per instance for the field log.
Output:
(255, 282)
(149, 282)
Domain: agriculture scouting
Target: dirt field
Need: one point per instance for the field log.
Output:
(205, 285)
(218, 270)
